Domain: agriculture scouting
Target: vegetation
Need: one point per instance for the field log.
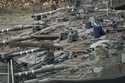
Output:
(27, 5)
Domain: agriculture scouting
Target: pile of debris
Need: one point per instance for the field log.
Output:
(61, 44)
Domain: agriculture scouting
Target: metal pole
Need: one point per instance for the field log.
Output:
(8, 72)
(107, 8)
(12, 73)
(111, 3)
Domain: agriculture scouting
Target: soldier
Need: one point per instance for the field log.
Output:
(73, 36)
(45, 5)
(97, 28)
(49, 59)
(77, 4)
(54, 5)
(115, 25)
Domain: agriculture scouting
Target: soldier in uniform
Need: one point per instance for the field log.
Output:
(97, 27)
(54, 5)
